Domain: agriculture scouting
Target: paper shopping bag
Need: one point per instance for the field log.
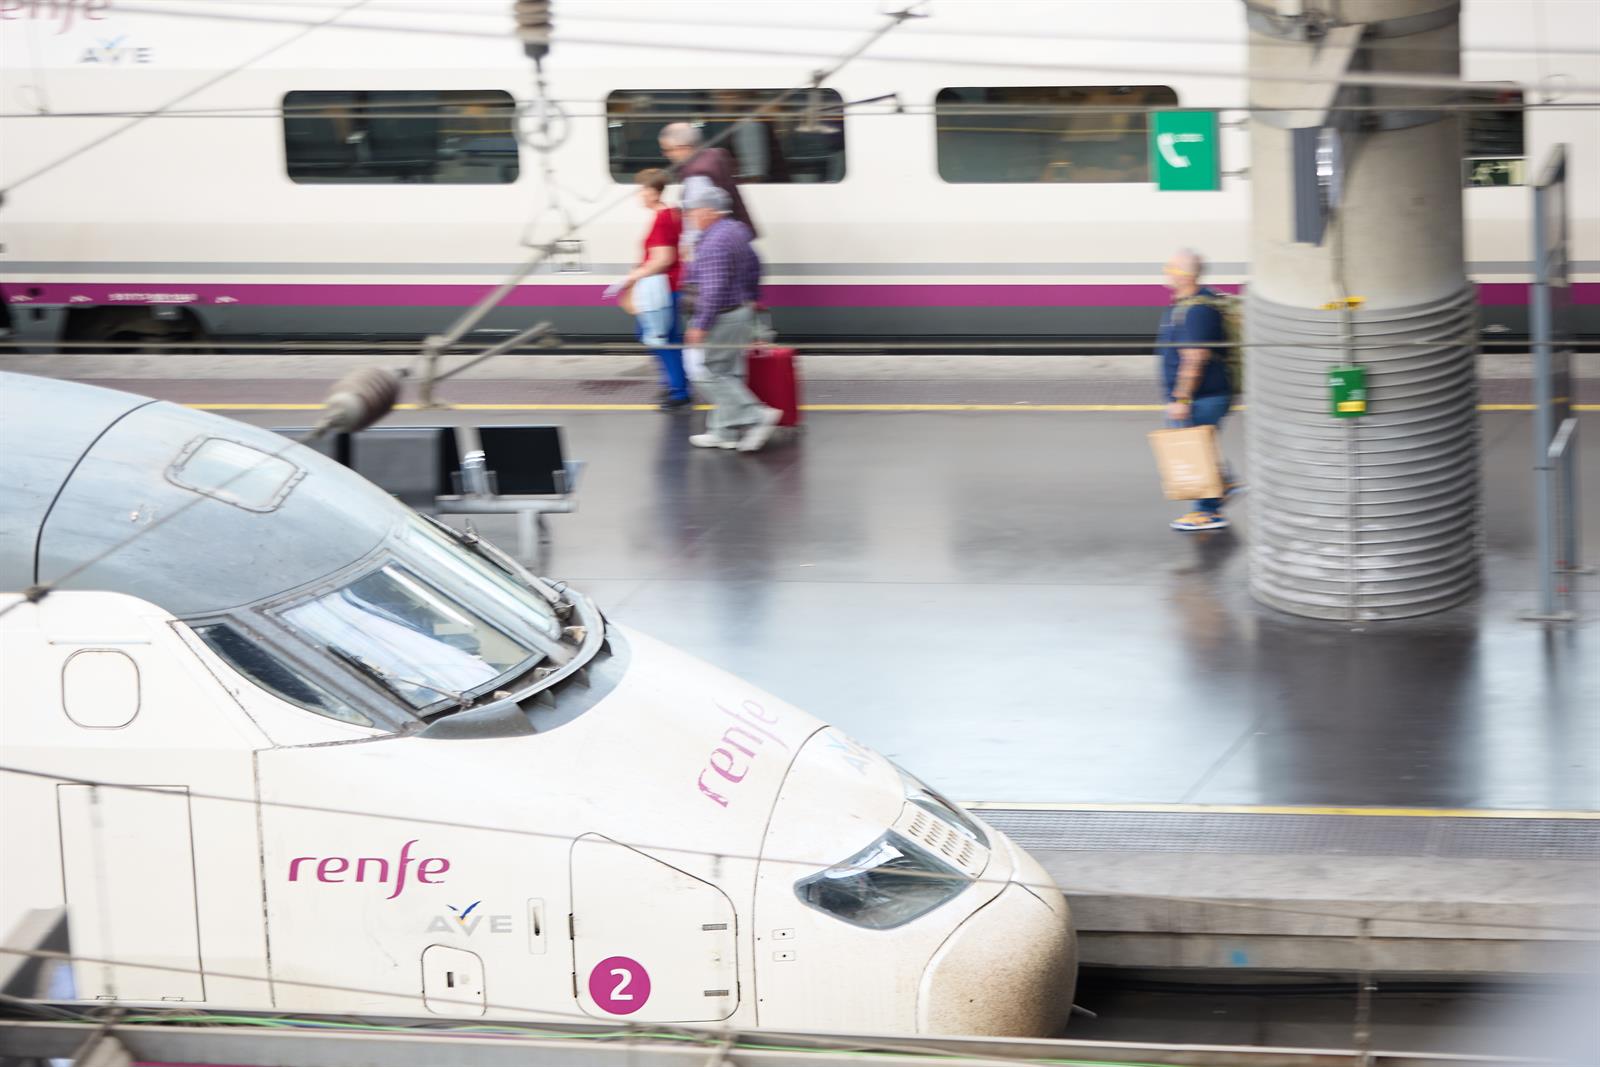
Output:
(1191, 467)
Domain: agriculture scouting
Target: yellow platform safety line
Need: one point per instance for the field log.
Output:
(1291, 809)
(833, 408)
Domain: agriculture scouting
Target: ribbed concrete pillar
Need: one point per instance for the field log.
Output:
(1373, 517)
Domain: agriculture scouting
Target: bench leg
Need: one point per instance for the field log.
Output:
(527, 551)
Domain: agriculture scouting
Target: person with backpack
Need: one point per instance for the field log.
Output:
(681, 143)
(1197, 350)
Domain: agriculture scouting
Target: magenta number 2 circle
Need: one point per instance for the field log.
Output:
(619, 985)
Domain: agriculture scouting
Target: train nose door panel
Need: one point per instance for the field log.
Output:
(649, 942)
(127, 858)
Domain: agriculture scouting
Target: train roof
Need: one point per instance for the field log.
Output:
(225, 514)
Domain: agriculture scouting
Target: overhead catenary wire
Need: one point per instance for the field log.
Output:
(453, 15)
(438, 345)
(656, 45)
(123, 1023)
(215, 79)
(709, 1036)
(120, 1020)
(35, 593)
(355, 402)
(626, 1031)
(1368, 79)
(852, 110)
(632, 1032)
(802, 864)
(933, 29)
(1044, 346)
(375, 390)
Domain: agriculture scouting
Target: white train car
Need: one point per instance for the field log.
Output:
(297, 749)
(315, 171)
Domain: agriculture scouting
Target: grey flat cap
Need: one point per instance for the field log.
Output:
(706, 196)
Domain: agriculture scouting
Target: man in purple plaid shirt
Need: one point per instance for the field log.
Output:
(726, 276)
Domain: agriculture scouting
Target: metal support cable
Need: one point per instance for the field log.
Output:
(1130, 346)
(890, 109)
(810, 864)
(436, 346)
(358, 400)
(180, 98)
(36, 593)
(1031, 34)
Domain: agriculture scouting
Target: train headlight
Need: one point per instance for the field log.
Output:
(886, 884)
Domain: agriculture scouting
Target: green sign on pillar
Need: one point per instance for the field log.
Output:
(1347, 392)
(1183, 150)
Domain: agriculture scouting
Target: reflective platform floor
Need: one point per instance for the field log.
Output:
(995, 600)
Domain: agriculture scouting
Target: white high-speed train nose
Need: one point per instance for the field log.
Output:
(948, 927)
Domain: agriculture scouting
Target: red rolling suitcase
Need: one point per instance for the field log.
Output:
(770, 374)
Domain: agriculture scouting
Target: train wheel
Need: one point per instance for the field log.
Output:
(135, 331)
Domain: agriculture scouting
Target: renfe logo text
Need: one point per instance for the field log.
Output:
(741, 743)
(341, 869)
(63, 10)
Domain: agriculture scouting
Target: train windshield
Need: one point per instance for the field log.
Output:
(420, 643)
(432, 624)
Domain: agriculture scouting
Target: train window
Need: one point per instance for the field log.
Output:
(261, 667)
(1492, 135)
(800, 140)
(490, 591)
(411, 637)
(1047, 133)
(447, 137)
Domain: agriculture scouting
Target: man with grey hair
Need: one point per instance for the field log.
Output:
(726, 273)
(680, 143)
(1193, 346)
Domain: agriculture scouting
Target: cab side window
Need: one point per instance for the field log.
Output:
(267, 671)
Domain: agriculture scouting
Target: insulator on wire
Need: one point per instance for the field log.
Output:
(359, 399)
(533, 27)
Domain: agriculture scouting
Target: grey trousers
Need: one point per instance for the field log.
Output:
(733, 405)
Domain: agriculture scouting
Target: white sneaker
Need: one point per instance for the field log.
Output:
(711, 440)
(760, 431)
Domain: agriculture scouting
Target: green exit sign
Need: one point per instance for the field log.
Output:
(1183, 150)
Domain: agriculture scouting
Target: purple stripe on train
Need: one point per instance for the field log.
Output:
(24, 294)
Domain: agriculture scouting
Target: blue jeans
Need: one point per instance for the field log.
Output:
(665, 328)
(1210, 411)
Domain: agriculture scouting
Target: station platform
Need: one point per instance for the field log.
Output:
(993, 598)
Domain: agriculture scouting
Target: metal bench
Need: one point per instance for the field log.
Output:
(516, 470)
(468, 470)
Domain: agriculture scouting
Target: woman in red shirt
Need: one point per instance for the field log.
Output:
(654, 303)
